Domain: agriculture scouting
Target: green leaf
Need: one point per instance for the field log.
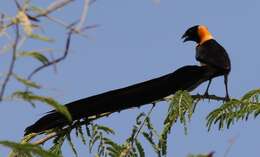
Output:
(80, 133)
(150, 140)
(92, 142)
(181, 107)
(138, 118)
(106, 129)
(57, 144)
(26, 82)
(125, 151)
(250, 94)
(36, 55)
(41, 38)
(28, 96)
(26, 149)
(139, 148)
(111, 143)
(88, 130)
(71, 145)
(163, 139)
(232, 111)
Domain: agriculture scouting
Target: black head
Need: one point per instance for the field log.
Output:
(192, 34)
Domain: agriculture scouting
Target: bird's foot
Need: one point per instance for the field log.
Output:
(206, 95)
(227, 98)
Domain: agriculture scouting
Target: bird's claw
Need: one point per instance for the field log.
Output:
(227, 98)
(206, 95)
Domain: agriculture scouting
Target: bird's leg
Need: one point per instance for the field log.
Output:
(206, 94)
(226, 87)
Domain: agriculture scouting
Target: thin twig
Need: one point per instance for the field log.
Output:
(56, 60)
(210, 97)
(45, 138)
(142, 125)
(197, 97)
(11, 67)
(57, 5)
(131, 145)
(83, 15)
(69, 26)
(53, 7)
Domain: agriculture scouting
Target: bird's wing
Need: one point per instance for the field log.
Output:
(213, 54)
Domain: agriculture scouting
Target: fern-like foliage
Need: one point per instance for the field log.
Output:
(181, 107)
(235, 110)
(57, 144)
(26, 150)
(31, 97)
(94, 135)
(97, 136)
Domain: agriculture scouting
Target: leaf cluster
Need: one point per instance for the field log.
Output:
(26, 150)
(234, 110)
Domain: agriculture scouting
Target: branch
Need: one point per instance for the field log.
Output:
(56, 60)
(83, 15)
(11, 67)
(53, 7)
(46, 138)
(197, 97)
(57, 5)
(209, 97)
(141, 126)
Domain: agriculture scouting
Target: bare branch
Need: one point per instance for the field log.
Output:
(46, 138)
(56, 60)
(209, 97)
(69, 26)
(83, 15)
(197, 97)
(11, 67)
(54, 6)
(18, 5)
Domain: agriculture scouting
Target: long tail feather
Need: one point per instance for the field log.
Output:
(185, 78)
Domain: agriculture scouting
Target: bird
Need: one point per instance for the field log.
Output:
(185, 78)
(209, 53)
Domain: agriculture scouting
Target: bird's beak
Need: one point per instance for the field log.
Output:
(185, 37)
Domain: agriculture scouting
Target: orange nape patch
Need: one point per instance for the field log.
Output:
(204, 34)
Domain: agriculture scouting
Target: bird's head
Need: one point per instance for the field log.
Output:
(198, 34)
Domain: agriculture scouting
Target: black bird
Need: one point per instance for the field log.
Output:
(185, 78)
(209, 53)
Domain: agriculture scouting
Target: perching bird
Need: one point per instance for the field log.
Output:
(185, 78)
(209, 53)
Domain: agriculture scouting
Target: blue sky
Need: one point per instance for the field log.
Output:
(136, 41)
